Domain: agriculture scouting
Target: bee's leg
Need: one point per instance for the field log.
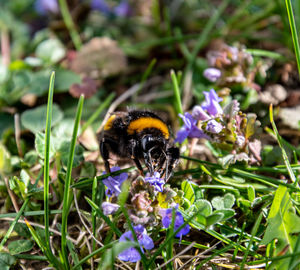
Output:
(105, 154)
(138, 165)
(173, 155)
(148, 162)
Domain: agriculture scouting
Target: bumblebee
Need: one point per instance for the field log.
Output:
(141, 136)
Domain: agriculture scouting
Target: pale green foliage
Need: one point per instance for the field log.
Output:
(284, 225)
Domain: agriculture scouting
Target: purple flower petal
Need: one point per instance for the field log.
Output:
(181, 135)
(123, 9)
(199, 114)
(189, 129)
(155, 181)
(147, 242)
(211, 103)
(43, 7)
(114, 183)
(197, 133)
(130, 254)
(212, 74)
(139, 228)
(101, 5)
(214, 127)
(109, 208)
(126, 236)
(167, 220)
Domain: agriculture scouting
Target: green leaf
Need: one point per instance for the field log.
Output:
(250, 128)
(6, 120)
(62, 132)
(20, 246)
(214, 218)
(39, 83)
(6, 260)
(39, 144)
(21, 186)
(35, 119)
(22, 230)
(284, 225)
(31, 158)
(251, 193)
(64, 79)
(188, 190)
(5, 163)
(225, 202)
(227, 213)
(64, 150)
(204, 207)
(50, 50)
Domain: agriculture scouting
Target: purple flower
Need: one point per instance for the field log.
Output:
(114, 183)
(167, 221)
(155, 181)
(212, 74)
(199, 114)
(101, 5)
(43, 7)
(109, 208)
(131, 254)
(189, 129)
(121, 10)
(211, 103)
(213, 126)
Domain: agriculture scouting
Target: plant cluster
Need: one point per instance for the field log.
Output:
(211, 72)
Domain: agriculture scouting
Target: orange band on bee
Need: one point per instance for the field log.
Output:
(109, 122)
(142, 123)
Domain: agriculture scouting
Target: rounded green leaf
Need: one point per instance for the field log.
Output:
(64, 150)
(6, 260)
(20, 246)
(50, 50)
(204, 207)
(35, 119)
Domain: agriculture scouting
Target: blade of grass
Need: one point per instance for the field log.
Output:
(51, 258)
(99, 110)
(287, 144)
(11, 227)
(47, 163)
(73, 254)
(145, 76)
(284, 155)
(67, 190)
(30, 213)
(264, 179)
(264, 53)
(70, 24)
(293, 28)
(170, 245)
(253, 233)
(94, 212)
(177, 93)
